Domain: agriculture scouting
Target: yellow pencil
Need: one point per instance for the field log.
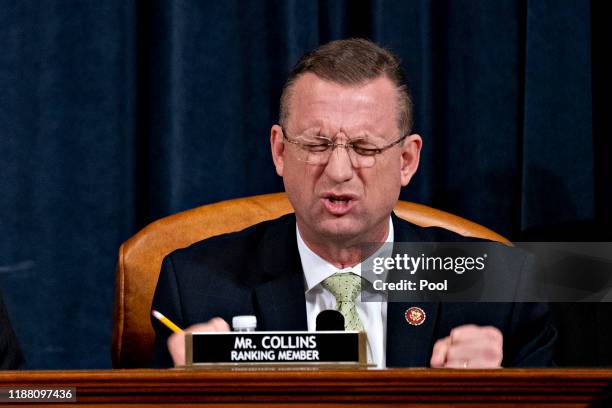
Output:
(167, 322)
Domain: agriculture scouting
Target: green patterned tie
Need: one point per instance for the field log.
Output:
(346, 287)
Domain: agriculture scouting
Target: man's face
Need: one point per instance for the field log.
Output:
(336, 201)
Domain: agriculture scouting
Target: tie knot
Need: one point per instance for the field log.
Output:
(344, 286)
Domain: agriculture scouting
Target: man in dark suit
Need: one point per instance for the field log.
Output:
(344, 150)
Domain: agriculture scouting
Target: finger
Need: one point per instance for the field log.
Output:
(438, 354)
(472, 364)
(176, 347)
(216, 324)
(480, 352)
(494, 334)
(481, 347)
(465, 332)
(475, 342)
(176, 341)
(470, 332)
(219, 324)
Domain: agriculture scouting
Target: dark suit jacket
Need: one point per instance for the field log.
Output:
(258, 272)
(11, 357)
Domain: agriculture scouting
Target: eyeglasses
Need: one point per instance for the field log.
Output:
(317, 149)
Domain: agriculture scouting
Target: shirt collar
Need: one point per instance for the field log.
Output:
(317, 269)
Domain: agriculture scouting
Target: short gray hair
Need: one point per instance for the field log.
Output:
(352, 62)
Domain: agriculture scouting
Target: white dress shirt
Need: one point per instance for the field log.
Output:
(373, 314)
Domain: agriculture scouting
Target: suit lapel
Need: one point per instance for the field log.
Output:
(280, 295)
(409, 345)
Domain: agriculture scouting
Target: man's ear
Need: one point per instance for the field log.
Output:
(411, 153)
(278, 149)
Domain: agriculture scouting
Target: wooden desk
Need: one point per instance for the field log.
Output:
(425, 387)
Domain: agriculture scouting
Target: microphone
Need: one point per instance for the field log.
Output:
(330, 320)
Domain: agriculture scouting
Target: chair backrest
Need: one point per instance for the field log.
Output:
(140, 257)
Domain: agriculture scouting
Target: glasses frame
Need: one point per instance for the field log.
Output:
(348, 145)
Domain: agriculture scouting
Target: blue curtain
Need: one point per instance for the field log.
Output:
(115, 113)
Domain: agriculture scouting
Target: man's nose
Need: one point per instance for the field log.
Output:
(339, 167)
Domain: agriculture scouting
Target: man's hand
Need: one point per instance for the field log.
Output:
(469, 346)
(176, 342)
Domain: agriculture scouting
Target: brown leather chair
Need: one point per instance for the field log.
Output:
(140, 257)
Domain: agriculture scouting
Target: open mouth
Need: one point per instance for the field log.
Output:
(338, 204)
